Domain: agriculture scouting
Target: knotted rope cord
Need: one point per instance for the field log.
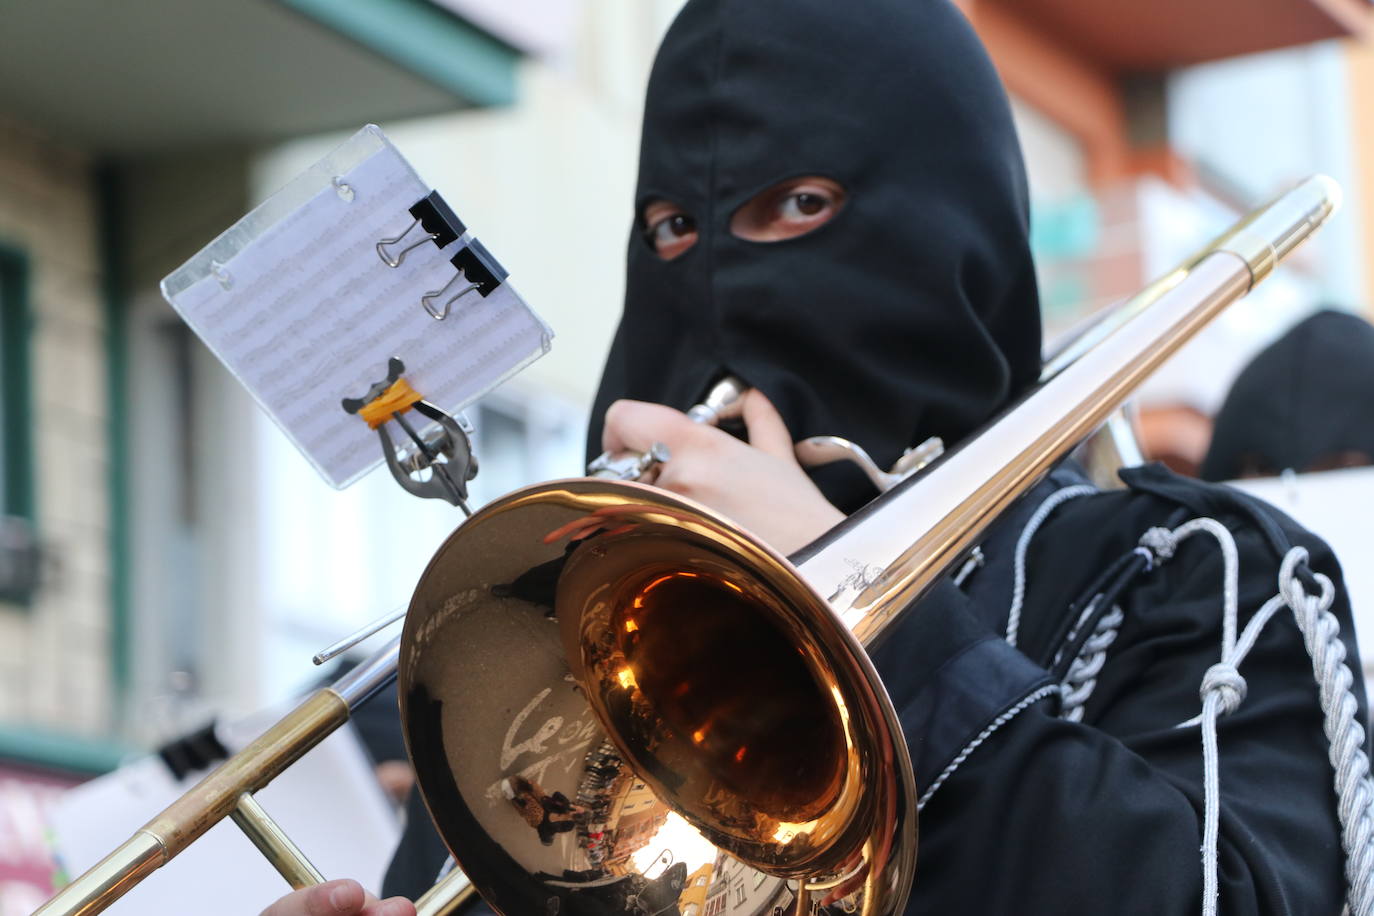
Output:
(1223, 689)
(1081, 679)
(1018, 590)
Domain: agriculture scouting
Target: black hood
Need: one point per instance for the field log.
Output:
(1302, 402)
(913, 312)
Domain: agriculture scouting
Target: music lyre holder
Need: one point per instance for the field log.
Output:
(445, 452)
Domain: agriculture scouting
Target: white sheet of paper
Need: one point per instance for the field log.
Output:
(312, 314)
(1338, 507)
(329, 803)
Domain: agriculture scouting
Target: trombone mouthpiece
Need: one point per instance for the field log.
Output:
(1273, 231)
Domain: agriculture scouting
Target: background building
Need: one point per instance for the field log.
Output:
(127, 139)
(1149, 129)
(191, 561)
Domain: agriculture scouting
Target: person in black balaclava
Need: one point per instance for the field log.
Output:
(832, 206)
(893, 297)
(1304, 403)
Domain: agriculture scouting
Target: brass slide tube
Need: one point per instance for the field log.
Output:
(214, 798)
(228, 792)
(951, 504)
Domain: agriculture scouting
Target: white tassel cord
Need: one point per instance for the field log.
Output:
(1018, 590)
(1223, 690)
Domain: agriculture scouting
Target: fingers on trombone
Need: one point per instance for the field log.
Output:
(767, 430)
(338, 898)
(637, 425)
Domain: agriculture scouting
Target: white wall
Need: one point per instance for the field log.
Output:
(1056, 165)
(1266, 121)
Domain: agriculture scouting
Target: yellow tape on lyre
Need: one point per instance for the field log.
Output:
(396, 399)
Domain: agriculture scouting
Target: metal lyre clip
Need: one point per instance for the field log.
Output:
(444, 452)
(439, 224)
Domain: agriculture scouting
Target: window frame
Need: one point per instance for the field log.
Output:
(18, 488)
(17, 492)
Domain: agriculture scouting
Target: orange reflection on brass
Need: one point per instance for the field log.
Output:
(697, 650)
(714, 669)
(786, 833)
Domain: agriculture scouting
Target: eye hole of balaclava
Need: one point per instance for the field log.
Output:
(791, 208)
(668, 230)
(786, 210)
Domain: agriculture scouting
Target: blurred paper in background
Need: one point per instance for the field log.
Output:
(329, 804)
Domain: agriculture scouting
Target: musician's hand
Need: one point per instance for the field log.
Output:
(338, 898)
(758, 484)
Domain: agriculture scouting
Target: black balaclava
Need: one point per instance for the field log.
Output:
(1304, 399)
(913, 312)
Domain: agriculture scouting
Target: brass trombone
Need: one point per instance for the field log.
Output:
(628, 660)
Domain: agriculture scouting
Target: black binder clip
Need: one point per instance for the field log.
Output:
(445, 453)
(481, 273)
(437, 223)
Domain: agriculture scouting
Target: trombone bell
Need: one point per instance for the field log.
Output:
(736, 702)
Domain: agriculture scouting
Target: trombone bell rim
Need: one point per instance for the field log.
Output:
(862, 822)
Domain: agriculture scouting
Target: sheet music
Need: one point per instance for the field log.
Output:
(312, 315)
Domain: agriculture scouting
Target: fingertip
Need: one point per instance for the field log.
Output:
(395, 906)
(344, 896)
(610, 438)
(767, 429)
(634, 425)
(756, 396)
(756, 404)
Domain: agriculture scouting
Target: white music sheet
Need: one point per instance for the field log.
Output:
(311, 314)
(1337, 506)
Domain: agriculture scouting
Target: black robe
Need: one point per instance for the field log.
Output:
(1104, 816)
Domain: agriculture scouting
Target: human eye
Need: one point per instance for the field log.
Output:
(805, 205)
(669, 230)
(788, 209)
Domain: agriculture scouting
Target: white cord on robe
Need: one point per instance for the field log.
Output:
(1223, 689)
(1024, 703)
(971, 565)
(1018, 590)
(1081, 678)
